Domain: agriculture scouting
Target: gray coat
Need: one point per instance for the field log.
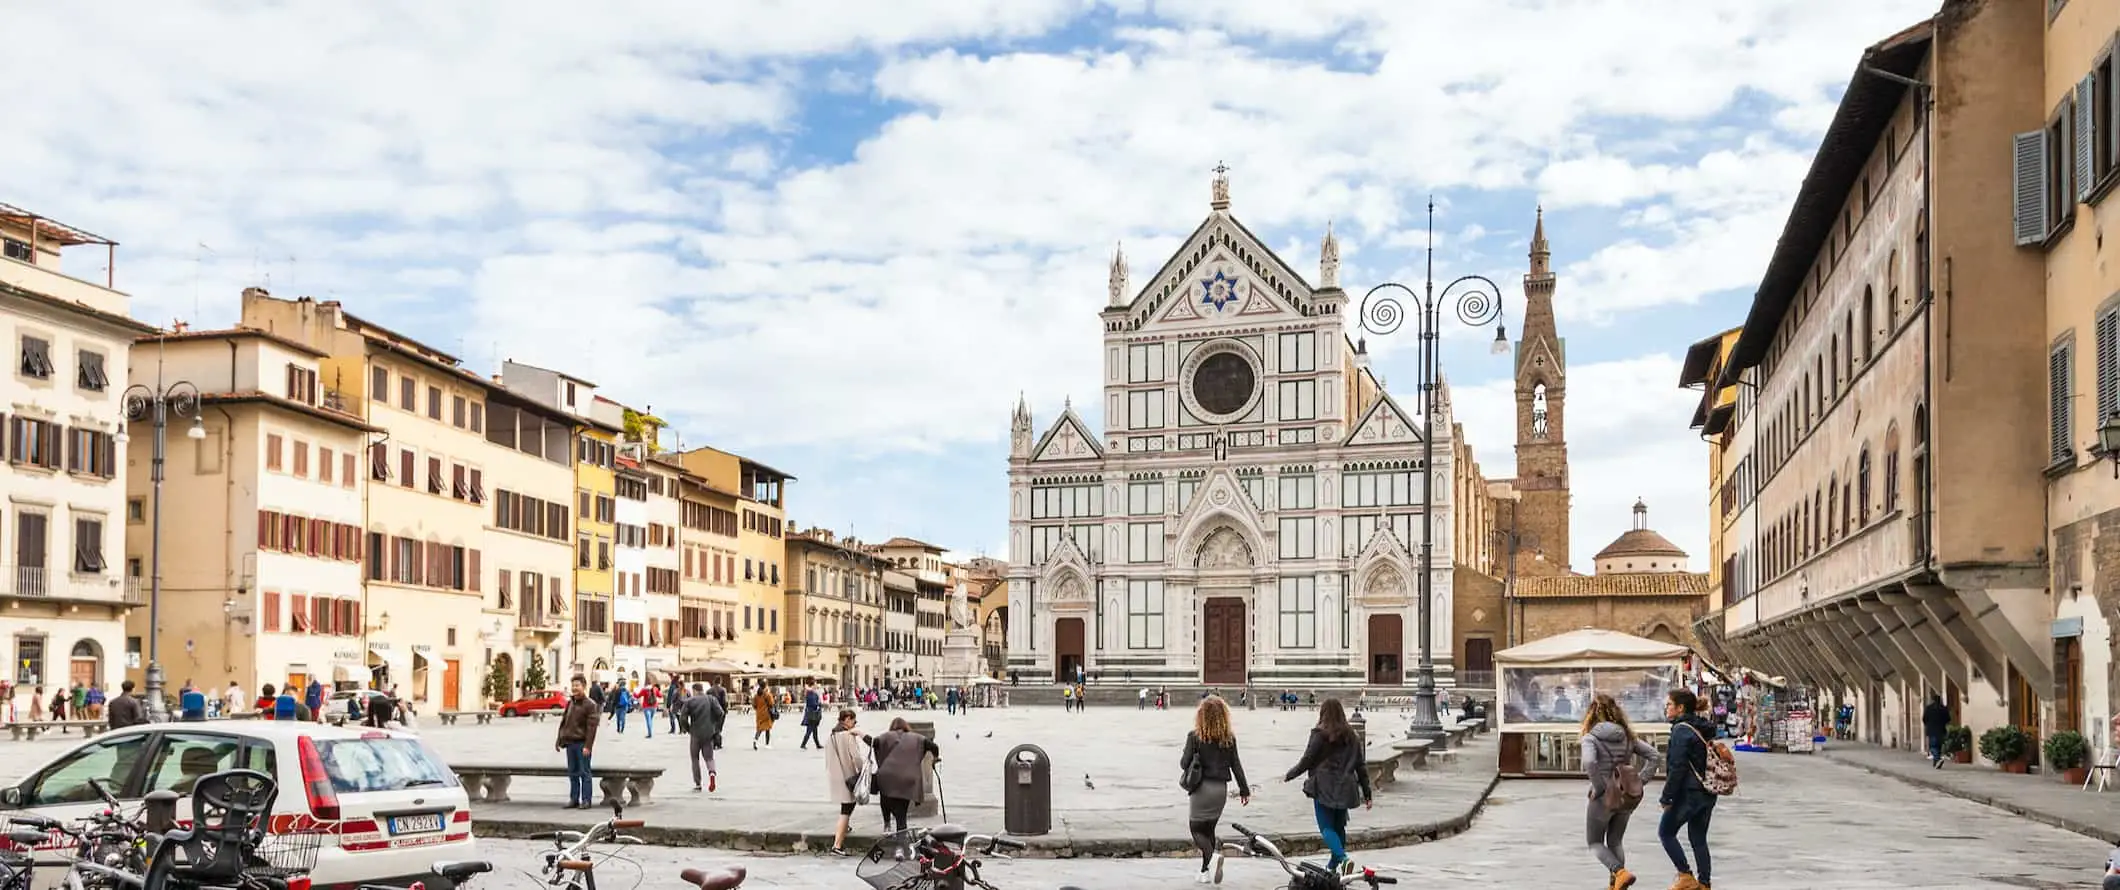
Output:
(704, 714)
(1603, 746)
(898, 768)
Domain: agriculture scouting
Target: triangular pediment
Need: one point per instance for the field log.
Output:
(1219, 501)
(1068, 439)
(1540, 360)
(1066, 571)
(1384, 570)
(1385, 423)
(1222, 274)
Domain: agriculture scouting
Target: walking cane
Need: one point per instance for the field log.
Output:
(939, 799)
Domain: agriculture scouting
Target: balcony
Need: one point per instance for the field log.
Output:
(50, 282)
(37, 582)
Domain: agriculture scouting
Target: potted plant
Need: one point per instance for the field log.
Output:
(1958, 743)
(2065, 753)
(2005, 746)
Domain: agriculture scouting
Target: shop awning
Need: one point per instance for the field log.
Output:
(398, 661)
(1589, 644)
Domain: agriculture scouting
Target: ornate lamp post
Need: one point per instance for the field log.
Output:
(1476, 301)
(156, 403)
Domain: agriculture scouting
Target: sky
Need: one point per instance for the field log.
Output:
(842, 236)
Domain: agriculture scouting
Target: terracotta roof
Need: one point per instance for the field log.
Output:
(1632, 584)
(902, 541)
(234, 333)
(1640, 542)
(325, 414)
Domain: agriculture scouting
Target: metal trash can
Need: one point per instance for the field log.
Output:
(925, 806)
(1027, 791)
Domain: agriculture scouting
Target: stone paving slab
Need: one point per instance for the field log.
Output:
(1800, 823)
(2041, 798)
(778, 799)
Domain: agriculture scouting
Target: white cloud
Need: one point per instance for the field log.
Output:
(650, 171)
(1625, 424)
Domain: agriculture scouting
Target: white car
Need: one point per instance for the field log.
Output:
(388, 806)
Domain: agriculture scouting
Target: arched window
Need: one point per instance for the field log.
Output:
(1832, 508)
(1862, 485)
(1833, 353)
(1818, 524)
(1891, 468)
(1847, 328)
(1847, 507)
(1869, 325)
(1891, 293)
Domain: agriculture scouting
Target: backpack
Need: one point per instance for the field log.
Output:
(1623, 788)
(1721, 777)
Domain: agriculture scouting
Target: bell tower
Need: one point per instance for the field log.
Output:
(1541, 411)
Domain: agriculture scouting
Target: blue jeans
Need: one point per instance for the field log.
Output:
(620, 716)
(1692, 813)
(1935, 747)
(650, 712)
(1332, 829)
(578, 775)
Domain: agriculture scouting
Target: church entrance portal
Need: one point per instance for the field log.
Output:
(1222, 645)
(1067, 650)
(1387, 649)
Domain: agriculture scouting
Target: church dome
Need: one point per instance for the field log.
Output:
(1640, 549)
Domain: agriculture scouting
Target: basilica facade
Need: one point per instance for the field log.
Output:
(1250, 510)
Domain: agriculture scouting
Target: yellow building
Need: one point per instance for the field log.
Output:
(708, 543)
(595, 506)
(1703, 370)
(760, 543)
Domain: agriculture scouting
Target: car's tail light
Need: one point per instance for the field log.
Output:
(323, 799)
(300, 883)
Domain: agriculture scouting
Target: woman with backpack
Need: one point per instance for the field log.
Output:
(1338, 780)
(1614, 760)
(1695, 773)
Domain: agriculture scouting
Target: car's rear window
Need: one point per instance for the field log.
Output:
(382, 765)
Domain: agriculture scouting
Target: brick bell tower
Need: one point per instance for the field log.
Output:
(1541, 415)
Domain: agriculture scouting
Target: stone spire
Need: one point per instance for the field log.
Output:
(1541, 257)
(1219, 196)
(1020, 429)
(1118, 277)
(1329, 259)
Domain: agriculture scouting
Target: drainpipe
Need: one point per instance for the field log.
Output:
(228, 522)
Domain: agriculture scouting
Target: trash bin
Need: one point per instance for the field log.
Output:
(1027, 791)
(925, 806)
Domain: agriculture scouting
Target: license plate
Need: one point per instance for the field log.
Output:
(415, 824)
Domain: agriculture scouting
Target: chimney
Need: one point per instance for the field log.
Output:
(256, 293)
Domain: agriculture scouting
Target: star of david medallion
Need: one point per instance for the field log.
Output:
(1219, 291)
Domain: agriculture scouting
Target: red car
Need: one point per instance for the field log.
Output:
(548, 700)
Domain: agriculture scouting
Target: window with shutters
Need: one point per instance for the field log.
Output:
(36, 360)
(89, 373)
(2061, 158)
(273, 448)
(407, 468)
(1862, 486)
(271, 618)
(301, 459)
(436, 483)
(408, 393)
(2059, 368)
(2105, 141)
(379, 462)
(379, 385)
(35, 443)
(301, 384)
(88, 546)
(2028, 185)
(2107, 334)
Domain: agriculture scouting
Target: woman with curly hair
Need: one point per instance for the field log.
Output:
(1212, 746)
(1608, 742)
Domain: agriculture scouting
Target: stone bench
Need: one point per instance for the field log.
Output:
(449, 718)
(1413, 752)
(89, 728)
(1458, 733)
(488, 782)
(1382, 765)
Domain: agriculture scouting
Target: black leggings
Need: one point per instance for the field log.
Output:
(1203, 836)
(894, 809)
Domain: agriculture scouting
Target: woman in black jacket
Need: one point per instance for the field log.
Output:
(1214, 745)
(1686, 800)
(1338, 779)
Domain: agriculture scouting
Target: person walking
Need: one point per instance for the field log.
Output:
(577, 737)
(1935, 716)
(233, 700)
(812, 714)
(650, 699)
(1210, 757)
(621, 700)
(1609, 743)
(842, 768)
(898, 770)
(127, 709)
(672, 698)
(192, 705)
(704, 716)
(1338, 779)
(1686, 800)
(763, 713)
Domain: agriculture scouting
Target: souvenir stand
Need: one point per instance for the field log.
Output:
(1543, 685)
(1779, 717)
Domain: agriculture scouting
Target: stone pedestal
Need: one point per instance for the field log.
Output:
(960, 659)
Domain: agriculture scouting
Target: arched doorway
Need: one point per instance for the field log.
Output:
(1068, 650)
(1224, 629)
(85, 664)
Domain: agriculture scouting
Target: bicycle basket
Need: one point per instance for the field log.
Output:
(288, 855)
(883, 869)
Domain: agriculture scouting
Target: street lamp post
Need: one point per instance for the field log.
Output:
(1476, 300)
(156, 403)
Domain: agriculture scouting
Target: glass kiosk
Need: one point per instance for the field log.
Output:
(1543, 686)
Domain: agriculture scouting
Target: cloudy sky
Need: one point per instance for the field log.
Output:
(842, 236)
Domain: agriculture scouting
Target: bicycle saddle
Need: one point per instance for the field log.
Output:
(458, 870)
(728, 878)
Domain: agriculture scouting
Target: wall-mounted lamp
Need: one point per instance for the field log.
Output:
(2109, 441)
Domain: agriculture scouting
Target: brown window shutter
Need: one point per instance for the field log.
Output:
(264, 529)
(406, 470)
(471, 562)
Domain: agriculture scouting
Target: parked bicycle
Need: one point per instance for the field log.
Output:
(938, 858)
(572, 861)
(1303, 875)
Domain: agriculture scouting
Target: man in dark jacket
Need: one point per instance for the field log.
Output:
(812, 714)
(1686, 800)
(127, 709)
(577, 737)
(704, 715)
(1934, 717)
